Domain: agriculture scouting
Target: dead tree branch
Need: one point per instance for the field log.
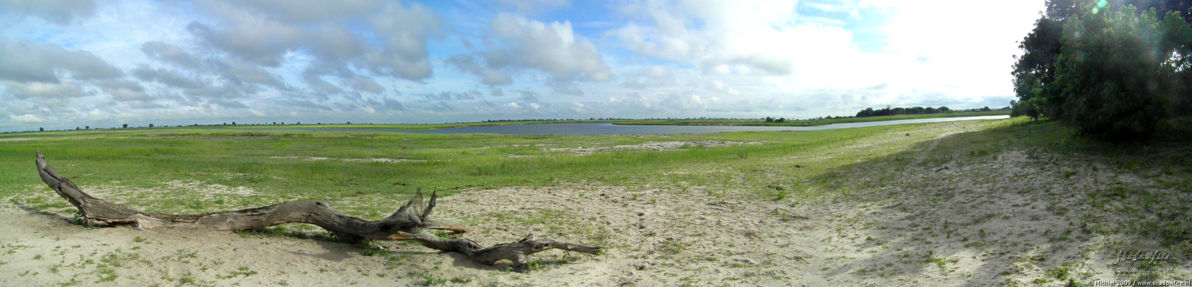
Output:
(409, 222)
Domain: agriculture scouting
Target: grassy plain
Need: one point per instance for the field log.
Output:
(290, 165)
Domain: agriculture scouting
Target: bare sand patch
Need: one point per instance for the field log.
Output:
(653, 146)
(652, 237)
(365, 160)
(1010, 218)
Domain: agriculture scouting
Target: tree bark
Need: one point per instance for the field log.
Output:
(409, 222)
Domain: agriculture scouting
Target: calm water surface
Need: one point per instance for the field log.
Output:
(611, 129)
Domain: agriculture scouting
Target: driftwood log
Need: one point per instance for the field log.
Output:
(410, 222)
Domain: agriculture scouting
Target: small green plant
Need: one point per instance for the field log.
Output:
(940, 262)
(187, 279)
(370, 248)
(431, 280)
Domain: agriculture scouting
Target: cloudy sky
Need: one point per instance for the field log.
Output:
(67, 63)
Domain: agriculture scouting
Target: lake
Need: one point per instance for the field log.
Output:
(611, 129)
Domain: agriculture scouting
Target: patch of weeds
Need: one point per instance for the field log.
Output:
(109, 262)
(1062, 274)
(242, 271)
(978, 153)
(1057, 209)
(787, 217)
(106, 274)
(187, 279)
(72, 282)
(432, 280)
(275, 231)
(940, 262)
(672, 247)
(1059, 273)
(444, 234)
(369, 248)
(1061, 237)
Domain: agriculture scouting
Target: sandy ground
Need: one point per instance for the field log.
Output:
(372, 159)
(1003, 219)
(653, 146)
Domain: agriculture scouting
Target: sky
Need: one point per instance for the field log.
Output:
(71, 63)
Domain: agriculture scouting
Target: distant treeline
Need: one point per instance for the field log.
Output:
(870, 112)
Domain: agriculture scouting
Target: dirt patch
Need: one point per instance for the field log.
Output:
(653, 146)
(365, 160)
(210, 189)
(1017, 217)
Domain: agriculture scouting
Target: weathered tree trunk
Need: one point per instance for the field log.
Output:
(408, 223)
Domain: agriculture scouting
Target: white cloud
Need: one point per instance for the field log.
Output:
(552, 48)
(394, 43)
(56, 11)
(970, 42)
(26, 61)
(26, 118)
(798, 61)
(488, 76)
(726, 35)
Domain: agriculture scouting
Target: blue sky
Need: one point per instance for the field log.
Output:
(67, 63)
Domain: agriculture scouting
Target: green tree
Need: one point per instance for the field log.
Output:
(1106, 67)
(1035, 70)
(1116, 69)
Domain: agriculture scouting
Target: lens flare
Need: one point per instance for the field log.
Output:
(1100, 5)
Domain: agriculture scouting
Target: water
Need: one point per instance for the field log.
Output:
(611, 129)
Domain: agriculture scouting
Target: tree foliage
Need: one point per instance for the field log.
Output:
(1108, 69)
